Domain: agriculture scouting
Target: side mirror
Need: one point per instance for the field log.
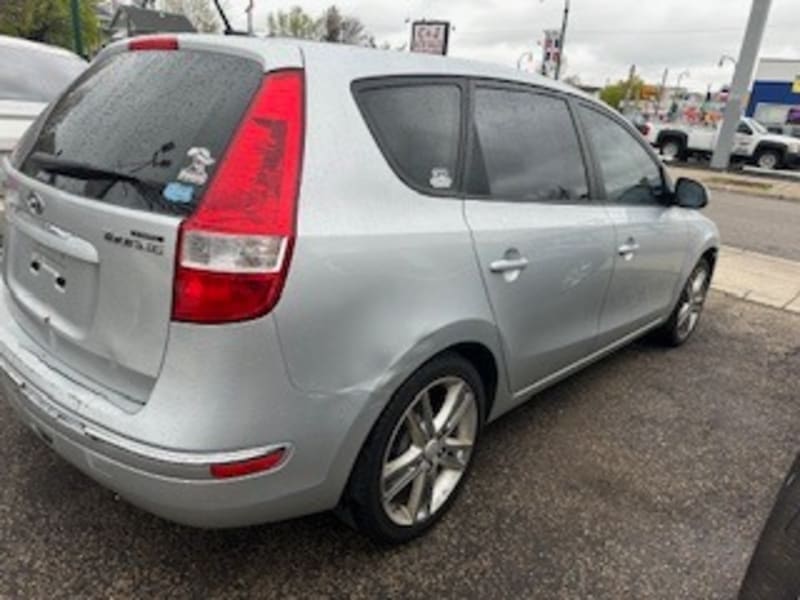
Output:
(690, 193)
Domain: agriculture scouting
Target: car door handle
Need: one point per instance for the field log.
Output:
(508, 264)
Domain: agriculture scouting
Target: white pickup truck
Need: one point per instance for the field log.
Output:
(752, 143)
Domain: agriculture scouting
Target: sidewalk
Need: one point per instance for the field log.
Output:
(771, 187)
(758, 278)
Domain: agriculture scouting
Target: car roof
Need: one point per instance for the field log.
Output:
(364, 62)
(7, 41)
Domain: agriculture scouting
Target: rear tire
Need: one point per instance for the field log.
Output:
(672, 149)
(392, 503)
(768, 159)
(684, 318)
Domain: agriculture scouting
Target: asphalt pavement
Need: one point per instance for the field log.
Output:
(649, 475)
(764, 225)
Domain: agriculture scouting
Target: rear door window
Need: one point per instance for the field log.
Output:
(418, 128)
(162, 117)
(524, 147)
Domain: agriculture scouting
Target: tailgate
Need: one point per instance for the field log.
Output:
(89, 256)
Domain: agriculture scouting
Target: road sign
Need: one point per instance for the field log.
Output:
(430, 37)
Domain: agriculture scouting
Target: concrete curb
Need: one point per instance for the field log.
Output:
(759, 278)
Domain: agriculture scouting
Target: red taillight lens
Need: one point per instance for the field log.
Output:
(249, 467)
(154, 43)
(234, 252)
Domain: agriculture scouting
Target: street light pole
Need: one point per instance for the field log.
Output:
(751, 44)
(77, 38)
(561, 38)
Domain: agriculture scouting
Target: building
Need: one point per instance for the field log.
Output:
(131, 20)
(775, 98)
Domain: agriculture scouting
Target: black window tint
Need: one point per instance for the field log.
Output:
(743, 128)
(418, 128)
(33, 75)
(151, 115)
(630, 174)
(525, 147)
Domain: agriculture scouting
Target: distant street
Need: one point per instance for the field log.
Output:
(758, 224)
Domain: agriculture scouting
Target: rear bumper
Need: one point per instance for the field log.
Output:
(158, 456)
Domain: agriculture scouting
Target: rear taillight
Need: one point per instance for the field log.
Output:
(153, 43)
(234, 252)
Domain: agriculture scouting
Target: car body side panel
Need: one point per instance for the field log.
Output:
(378, 268)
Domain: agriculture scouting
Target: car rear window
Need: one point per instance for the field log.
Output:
(418, 127)
(29, 75)
(163, 117)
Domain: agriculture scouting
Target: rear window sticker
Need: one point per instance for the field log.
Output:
(178, 193)
(195, 173)
(440, 178)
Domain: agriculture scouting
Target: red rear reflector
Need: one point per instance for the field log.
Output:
(153, 43)
(251, 466)
(234, 252)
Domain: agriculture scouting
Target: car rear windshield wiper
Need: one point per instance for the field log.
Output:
(63, 166)
(150, 190)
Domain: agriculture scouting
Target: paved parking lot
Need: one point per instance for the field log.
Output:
(647, 476)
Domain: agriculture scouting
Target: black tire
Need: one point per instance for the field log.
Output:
(673, 332)
(673, 147)
(362, 504)
(771, 158)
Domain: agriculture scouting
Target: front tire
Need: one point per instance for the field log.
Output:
(419, 453)
(686, 315)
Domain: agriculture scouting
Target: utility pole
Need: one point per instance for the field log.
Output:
(249, 11)
(628, 89)
(77, 38)
(741, 81)
(561, 39)
(661, 90)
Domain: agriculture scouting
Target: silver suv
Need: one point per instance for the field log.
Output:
(248, 279)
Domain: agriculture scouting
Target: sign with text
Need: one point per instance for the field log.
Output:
(430, 37)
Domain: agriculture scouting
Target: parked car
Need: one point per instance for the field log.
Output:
(753, 143)
(314, 273)
(31, 75)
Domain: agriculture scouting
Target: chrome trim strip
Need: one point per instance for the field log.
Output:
(561, 373)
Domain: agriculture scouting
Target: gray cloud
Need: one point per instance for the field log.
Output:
(604, 37)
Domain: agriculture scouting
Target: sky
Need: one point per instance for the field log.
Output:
(603, 39)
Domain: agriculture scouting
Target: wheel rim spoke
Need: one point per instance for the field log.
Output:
(408, 459)
(415, 429)
(427, 415)
(402, 481)
(416, 497)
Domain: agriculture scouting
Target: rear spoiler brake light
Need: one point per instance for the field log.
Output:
(154, 43)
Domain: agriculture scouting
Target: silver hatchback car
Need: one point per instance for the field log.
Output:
(246, 280)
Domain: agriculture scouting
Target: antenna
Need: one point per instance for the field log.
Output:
(227, 24)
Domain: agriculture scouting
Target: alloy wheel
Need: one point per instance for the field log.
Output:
(693, 298)
(429, 451)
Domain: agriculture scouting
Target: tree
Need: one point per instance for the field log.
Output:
(344, 30)
(200, 12)
(296, 24)
(613, 94)
(50, 22)
(331, 26)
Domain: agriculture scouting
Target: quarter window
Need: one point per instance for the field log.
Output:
(524, 148)
(418, 127)
(630, 174)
